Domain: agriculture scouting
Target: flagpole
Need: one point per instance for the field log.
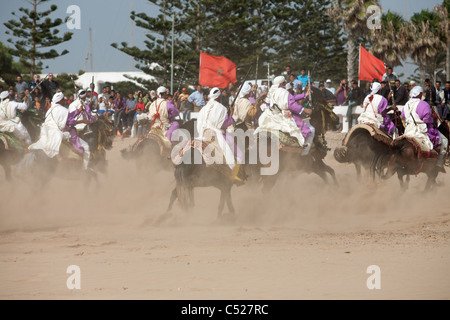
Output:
(171, 66)
(359, 66)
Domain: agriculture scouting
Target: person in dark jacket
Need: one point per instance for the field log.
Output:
(400, 94)
(355, 98)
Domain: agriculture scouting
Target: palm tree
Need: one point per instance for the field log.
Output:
(389, 43)
(427, 39)
(443, 12)
(352, 15)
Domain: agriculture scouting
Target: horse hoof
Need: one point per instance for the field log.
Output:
(228, 218)
(162, 218)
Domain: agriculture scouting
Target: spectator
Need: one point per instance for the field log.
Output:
(229, 88)
(329, 87)
(186, 107)
(92, 87)
(367, 90)
(430, 93)
(20, 85)
(264, 88)
(342, 92)
(406, 85)
(225, 99)
(102, 106)
(140, 104)
(47, 104)
(49, 86)
(70, 99)
(141, 122)
(113, 94)
(197, 98)
(106, 93)
(295, 83)
(120, 105)
(390, 77)
(36, 106)
(331, 98)
(445, 102)
(232, 97)
(385, 90)
(303, 77)
(130, 111)
(27, 98)
(412, 84)
(400, 94)
(34, 82)
(287, 72)
(91, 100)
(152, 96)
(355, 98)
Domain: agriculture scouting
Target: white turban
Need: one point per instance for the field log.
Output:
(278, 80)
(288, 86)
(81, 93)
(161, 90)
(4, 95)
(375, 87)
(415, 91)
(246, 88)
(214, 93)
(57, 97)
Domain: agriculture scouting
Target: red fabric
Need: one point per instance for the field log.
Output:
(370, 67)
(216, 71)
(140, 105)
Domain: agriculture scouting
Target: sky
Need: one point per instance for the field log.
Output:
(110, 22)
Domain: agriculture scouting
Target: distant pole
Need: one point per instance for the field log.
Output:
(90, 49)
(131, 35)
(268, 74)
(171, 65)
(406, 59)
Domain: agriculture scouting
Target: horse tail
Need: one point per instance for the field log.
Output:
(342, 154)
(182, 186)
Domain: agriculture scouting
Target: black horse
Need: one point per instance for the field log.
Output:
(68, 164)
(9, 157)
(290, 159)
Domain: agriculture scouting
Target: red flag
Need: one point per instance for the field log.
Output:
(370, 67)
(216, 71)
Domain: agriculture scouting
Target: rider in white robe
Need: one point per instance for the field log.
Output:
(9, 122)
(52, 128)
(279, 119)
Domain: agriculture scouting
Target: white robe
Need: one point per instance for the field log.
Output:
(51, 131)
(212, 116)
(416, 128)
(370, 114)
(9, 122)
(241, 108)
(74, 106)
(278, 121)
(160, 106)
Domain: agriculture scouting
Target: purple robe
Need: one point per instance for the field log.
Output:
(71, 122)
(230, 138)
(423, 110)
(387, 125)
(296, 109)
(172, 112)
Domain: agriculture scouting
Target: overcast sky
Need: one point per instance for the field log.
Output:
(110, 22)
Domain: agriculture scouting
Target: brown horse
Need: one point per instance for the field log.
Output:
(406, 158)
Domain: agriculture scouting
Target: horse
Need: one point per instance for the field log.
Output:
(152, 150)
(12, 150)
(68, 164)
(364, 146)
(290, 158)
(407, 158)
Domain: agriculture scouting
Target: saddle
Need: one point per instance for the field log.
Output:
(375, 132)
(12, 143)
(432, 154)
(157, 135)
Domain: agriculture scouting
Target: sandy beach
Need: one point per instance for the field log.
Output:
(307, 240)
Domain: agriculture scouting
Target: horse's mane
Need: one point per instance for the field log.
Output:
(317, 97)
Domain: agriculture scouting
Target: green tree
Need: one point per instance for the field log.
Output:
(352, 16)
(8, 69)
(313, 44)
(427, 39)
(35, 34)
(390, 43)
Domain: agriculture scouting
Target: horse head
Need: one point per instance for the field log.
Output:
(32, 122)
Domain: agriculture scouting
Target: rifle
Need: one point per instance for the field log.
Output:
(242, 84)
(40, 82)
(182, 77)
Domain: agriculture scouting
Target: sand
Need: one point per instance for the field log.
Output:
(307, 240)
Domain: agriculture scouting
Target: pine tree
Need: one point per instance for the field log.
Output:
(309, 40)
(36, 33)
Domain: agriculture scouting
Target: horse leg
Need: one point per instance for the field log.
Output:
(268, 183)
(358, 171)
(7, 168)
(221, 203)
(431, 181)
(173, 197)
(229, 201)
(330, 171)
